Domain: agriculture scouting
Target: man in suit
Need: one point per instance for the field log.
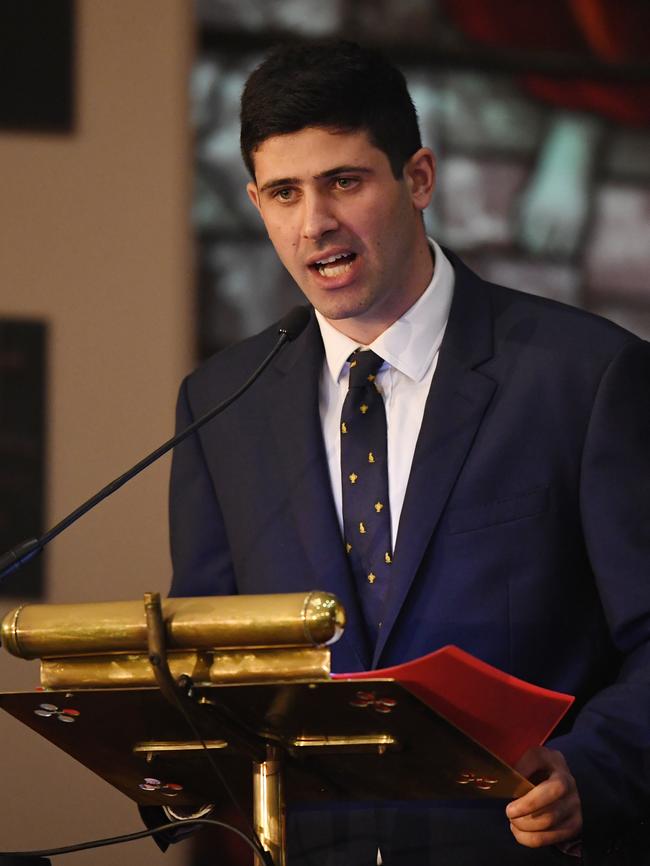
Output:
(514, 434)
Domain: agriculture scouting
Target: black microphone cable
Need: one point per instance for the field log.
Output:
(254, 839)
(140, 834)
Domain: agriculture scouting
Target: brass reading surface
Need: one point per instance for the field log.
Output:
(398, 748)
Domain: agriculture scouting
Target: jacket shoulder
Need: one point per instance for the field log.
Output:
(529, 319)
(563, 320)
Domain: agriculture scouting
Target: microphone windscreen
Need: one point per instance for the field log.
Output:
(295, 322)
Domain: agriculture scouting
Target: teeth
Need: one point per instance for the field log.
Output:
(335, 271)
(329, 268)
(331, 259)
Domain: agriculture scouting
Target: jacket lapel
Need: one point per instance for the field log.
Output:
(298, 442)
(456, 404)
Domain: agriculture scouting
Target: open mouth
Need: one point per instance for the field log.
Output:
(334, 266)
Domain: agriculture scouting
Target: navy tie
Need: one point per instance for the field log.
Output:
(364, 470)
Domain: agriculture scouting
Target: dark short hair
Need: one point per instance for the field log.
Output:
(331, 84)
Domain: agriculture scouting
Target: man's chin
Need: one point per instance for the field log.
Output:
(341, 313)
(341, 305)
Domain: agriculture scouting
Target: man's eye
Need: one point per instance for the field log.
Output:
(284, 194)
(345, 182)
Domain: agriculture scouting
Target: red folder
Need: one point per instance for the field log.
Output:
(505, 714)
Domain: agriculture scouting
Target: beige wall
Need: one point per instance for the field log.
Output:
(94, 238)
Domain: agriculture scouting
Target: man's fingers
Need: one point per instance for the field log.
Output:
(551, 813)
(565, 831)
(555, 788)
(548, 828)
(545, 819)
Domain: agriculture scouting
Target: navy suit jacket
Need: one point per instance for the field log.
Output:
(525, 532)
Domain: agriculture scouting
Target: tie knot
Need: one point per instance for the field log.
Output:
(363, 368)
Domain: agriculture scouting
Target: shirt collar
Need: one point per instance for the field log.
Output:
(409, 344)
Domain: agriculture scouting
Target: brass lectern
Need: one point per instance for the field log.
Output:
(166, 699)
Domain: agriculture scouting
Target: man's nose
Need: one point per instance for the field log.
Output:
(318, 217)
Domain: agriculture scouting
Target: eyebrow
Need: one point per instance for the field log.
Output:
(331, 172)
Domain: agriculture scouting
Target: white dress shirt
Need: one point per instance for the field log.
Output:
(410, 349)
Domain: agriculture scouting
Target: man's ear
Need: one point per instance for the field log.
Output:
(420, 176)
(253, 194)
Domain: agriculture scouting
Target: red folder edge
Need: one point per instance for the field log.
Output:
(503, 713)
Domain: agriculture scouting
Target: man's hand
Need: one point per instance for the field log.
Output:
(551, 813)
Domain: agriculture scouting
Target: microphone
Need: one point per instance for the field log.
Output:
(289, 327)
(295, 322)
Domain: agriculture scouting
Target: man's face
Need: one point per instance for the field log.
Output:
(348, 232)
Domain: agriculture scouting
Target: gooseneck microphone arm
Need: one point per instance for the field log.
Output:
(288, 329)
